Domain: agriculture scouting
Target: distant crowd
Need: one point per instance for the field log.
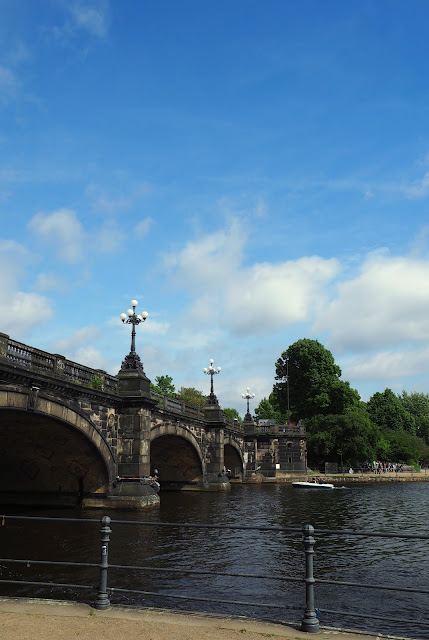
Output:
(381, 467)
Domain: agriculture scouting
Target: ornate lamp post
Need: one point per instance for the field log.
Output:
(132, 360)
(211, 371)
(248, 396)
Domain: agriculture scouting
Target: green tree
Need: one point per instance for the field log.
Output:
(230, 414)
(417, 404)
(349, 438)
(388, 412)
(406, 448)
(269, 409)
(315, 387)
(192, 396)
(164, 385)
(265, 410)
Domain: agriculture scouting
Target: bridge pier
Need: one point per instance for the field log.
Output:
(133, 487)
(214, 478)
(131, 493)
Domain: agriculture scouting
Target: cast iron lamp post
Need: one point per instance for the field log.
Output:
(211, 371)
(132, 360)
(248, 396)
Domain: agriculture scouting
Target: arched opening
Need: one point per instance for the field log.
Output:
(177, 462)
(233, 462)
(46, 462)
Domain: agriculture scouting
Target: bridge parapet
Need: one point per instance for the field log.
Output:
(234, 427)
(58, 367)
(275, 429)
(175, 405)
(34, 359)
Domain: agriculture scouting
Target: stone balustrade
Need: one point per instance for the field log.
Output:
(58, 366)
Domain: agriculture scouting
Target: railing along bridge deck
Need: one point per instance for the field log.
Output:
(57, 366)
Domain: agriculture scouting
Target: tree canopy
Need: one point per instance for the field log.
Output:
(349, 438)
(417, 404)
(315, 387)
(268, 408)
(164, 385)
(230, 414)
(388, 412)
(405, 447)
(192, 396)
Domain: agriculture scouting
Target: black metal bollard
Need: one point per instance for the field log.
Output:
(310, 621)
(102, 601)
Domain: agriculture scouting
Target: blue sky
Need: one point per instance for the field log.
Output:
(252, 172)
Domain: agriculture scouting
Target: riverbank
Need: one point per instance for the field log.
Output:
(335, 478)
(26, 619)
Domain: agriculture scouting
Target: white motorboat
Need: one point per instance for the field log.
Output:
(312, 485)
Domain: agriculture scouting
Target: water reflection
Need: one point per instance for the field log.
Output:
(396, 507)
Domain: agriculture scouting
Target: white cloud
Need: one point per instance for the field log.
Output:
(230, 389)
(208, 261)
(91, 357)
(76, 341)
(20, 311)
(49, 282)
(419, 243)
(269, 296)
(79, 348)
(13, 259)
(109, 239)
(142, 228)
(248, 299)
(388, 365)
(62, 229)
(261, 208)
(419, 188)
(91, 16)
(108, 204)
(194, 338)
(153, 327)
(82, 18)
(386, 304)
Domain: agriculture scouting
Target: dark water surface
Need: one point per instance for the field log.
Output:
(381, 507)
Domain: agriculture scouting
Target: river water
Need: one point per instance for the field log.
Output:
(396, 507)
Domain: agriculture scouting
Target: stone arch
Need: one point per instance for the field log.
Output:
(233, 457)
(177, 455)
(181, 432)
(53, 409)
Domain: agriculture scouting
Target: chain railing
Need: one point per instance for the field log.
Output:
(104, 594)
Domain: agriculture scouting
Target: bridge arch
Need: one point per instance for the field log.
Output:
(49, 452)
(177, 456)
(233, 456)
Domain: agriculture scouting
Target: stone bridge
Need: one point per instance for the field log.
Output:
(70, 434)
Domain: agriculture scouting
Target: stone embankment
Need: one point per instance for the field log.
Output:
(335, 478)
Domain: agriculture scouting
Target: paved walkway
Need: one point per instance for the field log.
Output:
(30, 619)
